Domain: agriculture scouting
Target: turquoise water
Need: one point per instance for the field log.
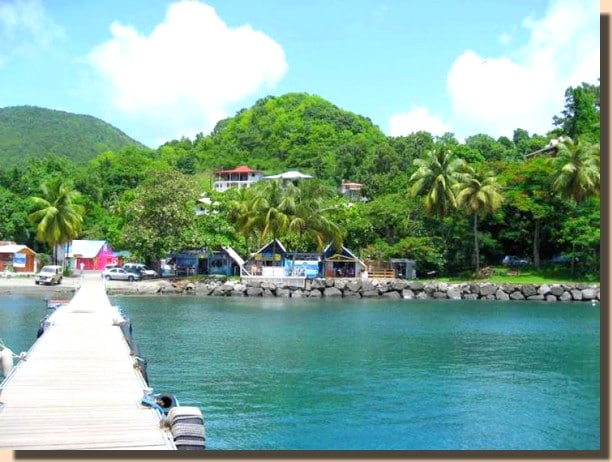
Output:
(363, 374)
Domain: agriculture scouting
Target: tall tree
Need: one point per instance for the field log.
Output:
(580, 116)
(158, 217)
(435, 178)
(480, 193)
(529, 192)
(56, 215)
(577, 172)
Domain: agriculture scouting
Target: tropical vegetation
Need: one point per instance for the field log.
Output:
(455, 206)
(29, 132)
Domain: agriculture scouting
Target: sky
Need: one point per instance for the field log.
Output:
(160, 70)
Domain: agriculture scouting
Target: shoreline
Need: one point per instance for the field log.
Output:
(313, 288)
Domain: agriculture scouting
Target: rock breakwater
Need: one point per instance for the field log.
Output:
(363, 288)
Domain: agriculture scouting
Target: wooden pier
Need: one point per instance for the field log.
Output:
(79, 387)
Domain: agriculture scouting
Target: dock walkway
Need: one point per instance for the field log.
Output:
(79, 388)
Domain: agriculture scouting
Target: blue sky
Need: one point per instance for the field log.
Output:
(159, 69)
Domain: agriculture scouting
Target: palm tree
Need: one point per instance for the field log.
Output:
(577, 172)
(272, 209)
(435, 177)
(58, 219)
(577, 169)
(480, 193)
(311, 218)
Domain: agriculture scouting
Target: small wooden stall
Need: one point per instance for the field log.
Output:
(17, 258)
(394, 268)
(404, 268)
(341, 263)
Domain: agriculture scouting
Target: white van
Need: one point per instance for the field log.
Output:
(49, 274)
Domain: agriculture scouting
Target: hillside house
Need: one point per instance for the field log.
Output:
(352, 190)
(240, 177)
(93, 254)
(292, 176)
(17, 258)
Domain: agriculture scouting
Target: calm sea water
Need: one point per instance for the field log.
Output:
(333, 374)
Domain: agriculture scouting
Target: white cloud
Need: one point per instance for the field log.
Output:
(417, 119)
(25, 26)
(525, 89)
(188, 70)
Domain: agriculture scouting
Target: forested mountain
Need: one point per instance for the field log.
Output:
(293, 131)
(29, 131)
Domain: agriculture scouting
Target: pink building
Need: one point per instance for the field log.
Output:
(94, 255)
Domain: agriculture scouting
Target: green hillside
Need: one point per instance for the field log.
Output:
(28, 131)
(294, 131)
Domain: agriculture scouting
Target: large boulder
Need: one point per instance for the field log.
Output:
(367, 285)
(556, 290)
(454, 292)
(544, 289)
(332, 292)
(392, 294)
(589, 294)
(399, 284)
(254, 291)
(487, 289)
(517, 295)
(501, 295)
(408, 294)
(529, 290)
(576, 294)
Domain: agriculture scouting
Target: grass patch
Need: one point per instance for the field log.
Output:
(529, 275)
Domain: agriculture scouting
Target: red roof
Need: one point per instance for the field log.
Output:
(241, 169)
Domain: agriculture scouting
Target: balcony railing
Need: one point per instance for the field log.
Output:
(221, 186)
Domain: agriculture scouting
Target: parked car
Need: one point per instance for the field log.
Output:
(514, 261)
(119, 274)
(49, 274)
(140, 268)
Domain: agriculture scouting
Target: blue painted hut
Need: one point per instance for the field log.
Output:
(339, 263)
(224, 261)
(269, 261)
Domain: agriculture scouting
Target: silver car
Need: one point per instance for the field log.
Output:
(119, 274)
